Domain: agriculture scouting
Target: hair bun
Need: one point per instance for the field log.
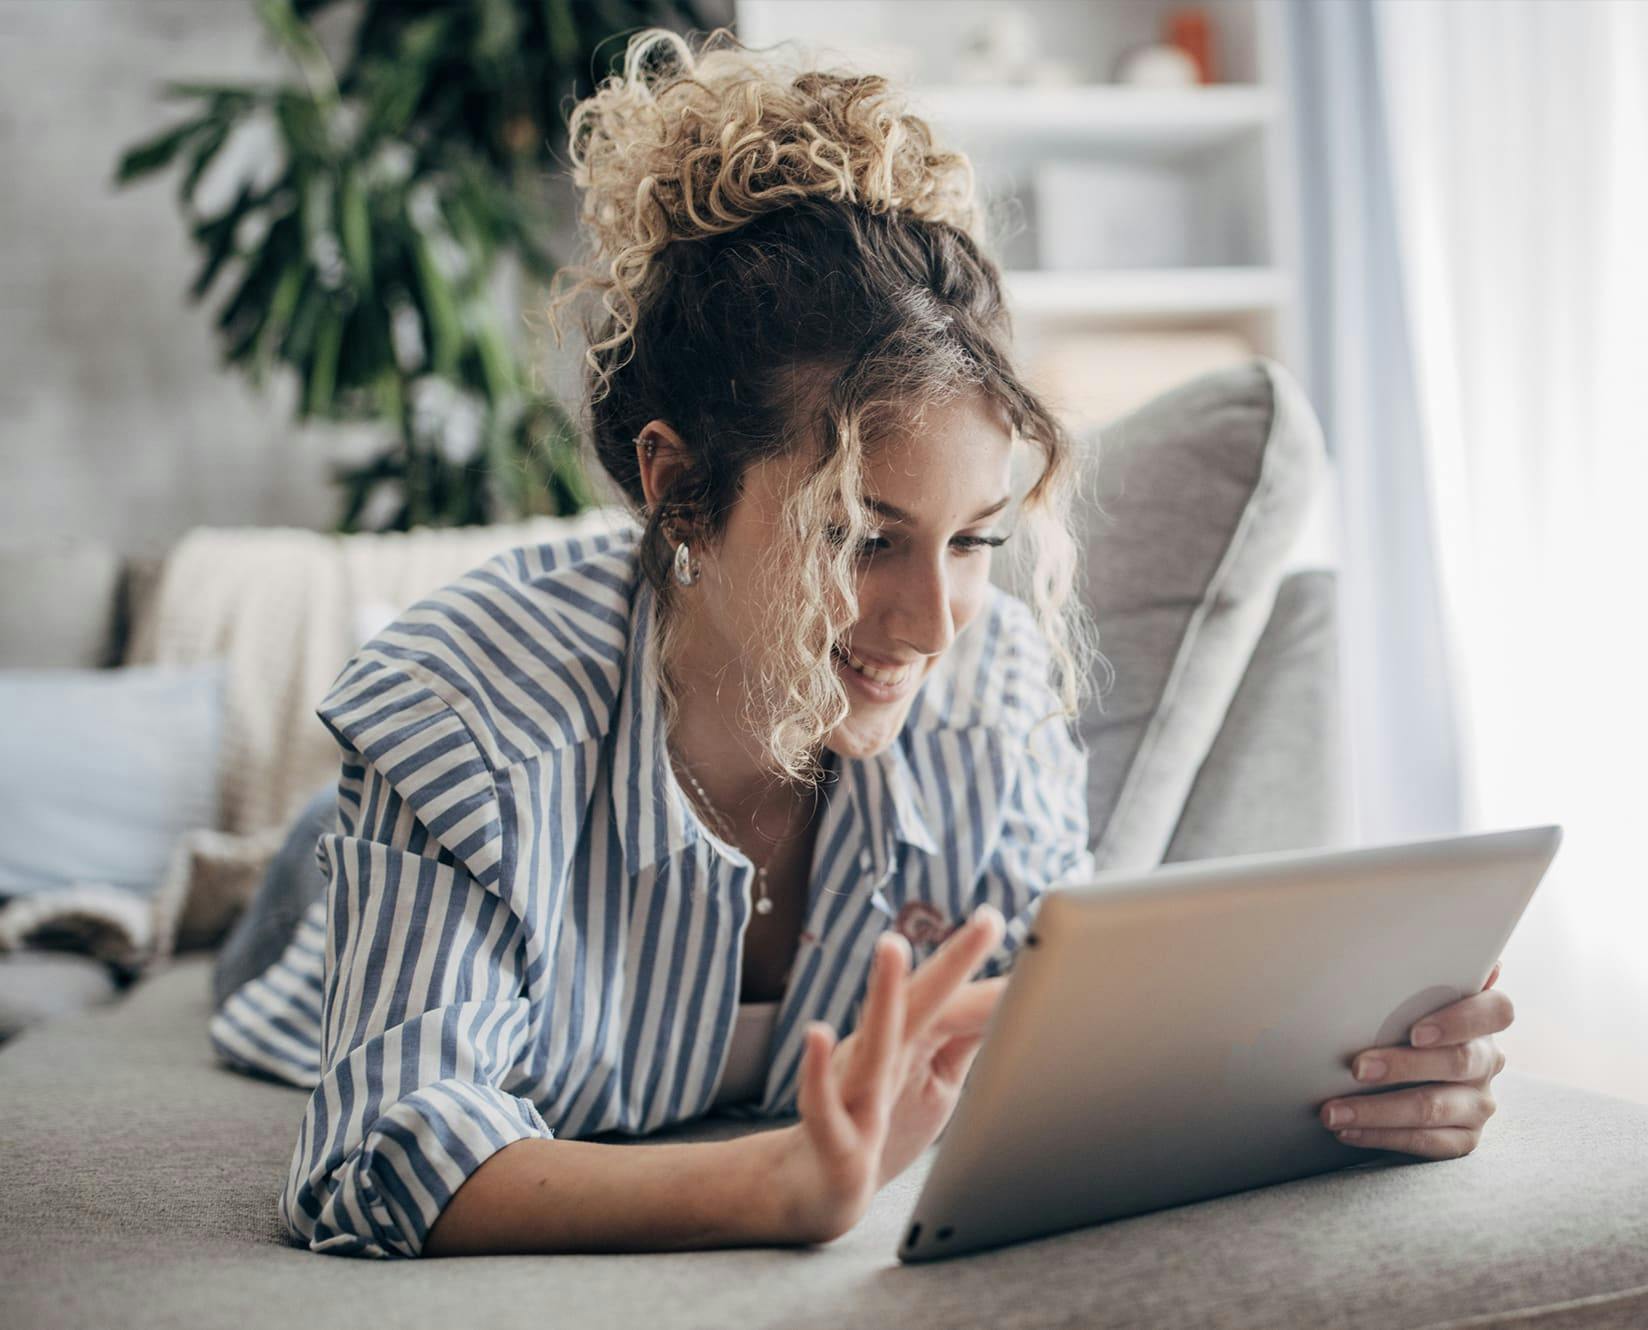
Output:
(687, 144)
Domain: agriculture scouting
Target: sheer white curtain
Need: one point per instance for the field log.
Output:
(1518, 132)
(1400, 722)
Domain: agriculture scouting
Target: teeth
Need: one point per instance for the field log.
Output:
(887, 677)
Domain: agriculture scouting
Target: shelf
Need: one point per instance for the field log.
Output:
(1146, 294)
(1096, 114)
(1088, 172)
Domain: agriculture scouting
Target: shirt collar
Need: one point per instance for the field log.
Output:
(652, 815)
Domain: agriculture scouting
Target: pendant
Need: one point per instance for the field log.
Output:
(763, 906)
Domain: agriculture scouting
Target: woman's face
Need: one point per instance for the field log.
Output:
(940, 494)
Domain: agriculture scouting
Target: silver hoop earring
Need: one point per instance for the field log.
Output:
(686, 572)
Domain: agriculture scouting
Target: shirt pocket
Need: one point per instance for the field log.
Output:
(914, 900)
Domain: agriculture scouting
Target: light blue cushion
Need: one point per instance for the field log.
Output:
(103, 769)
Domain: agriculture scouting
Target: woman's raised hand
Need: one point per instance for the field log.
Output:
(872, 1102)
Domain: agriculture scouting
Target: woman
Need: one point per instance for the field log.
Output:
(629, 826)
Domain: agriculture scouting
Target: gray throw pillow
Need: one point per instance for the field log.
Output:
(1274, 778)
(1192, 504)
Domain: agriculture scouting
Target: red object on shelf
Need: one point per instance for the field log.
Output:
(1191, 31)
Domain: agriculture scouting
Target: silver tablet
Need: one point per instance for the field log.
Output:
(1170, 1036)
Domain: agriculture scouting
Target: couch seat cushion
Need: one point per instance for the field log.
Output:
(140, 1183)
(42, 984)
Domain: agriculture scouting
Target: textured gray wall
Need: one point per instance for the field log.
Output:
(116, 421)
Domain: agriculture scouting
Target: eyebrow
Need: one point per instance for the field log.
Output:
(896, 514)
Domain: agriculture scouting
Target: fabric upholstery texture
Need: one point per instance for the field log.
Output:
(1193, 504)
(152, 1203)
(1267, 783)
(44, 984)
(59, 603)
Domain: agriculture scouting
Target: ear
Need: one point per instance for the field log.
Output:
(661, 464)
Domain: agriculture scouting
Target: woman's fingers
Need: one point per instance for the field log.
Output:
(969, 1009)
(820, 1093)
(937, 977)
(1473, 1060)
(955, 1056)
(1427, 1142)
(1452, 1053)
(957, 1032)
(1487, 1012)
(1428, 1107)
(881, 1033)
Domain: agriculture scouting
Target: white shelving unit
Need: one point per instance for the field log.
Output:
(1197, 178)
(1172, 119)
(1149, 294)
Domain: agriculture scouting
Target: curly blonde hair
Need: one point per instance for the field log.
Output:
(790, 266)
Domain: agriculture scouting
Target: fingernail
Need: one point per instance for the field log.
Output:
(1370, 1069)
(1351, 1134)
(982, 912)
(1425, 1034)
(1339, 1114)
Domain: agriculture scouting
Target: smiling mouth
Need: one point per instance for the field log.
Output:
(875, 673)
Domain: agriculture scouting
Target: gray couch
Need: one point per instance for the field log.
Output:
(138, 1177)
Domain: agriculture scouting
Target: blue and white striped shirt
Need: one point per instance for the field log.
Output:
(528, 933)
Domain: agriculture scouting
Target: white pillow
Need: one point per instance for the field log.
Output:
(103, 770)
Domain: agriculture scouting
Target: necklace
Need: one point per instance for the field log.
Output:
(764, 904)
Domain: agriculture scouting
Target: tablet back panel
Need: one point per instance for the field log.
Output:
(1170, 1037)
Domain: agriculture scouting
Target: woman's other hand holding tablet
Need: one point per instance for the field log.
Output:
(1453, 1052)
(872, 1102)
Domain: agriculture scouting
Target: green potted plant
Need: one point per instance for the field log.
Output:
(371, 251)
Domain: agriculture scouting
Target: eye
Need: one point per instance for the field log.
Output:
(973, 544)
(965, 545)
(870, 546)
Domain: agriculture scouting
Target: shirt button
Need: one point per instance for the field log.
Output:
(864, 859)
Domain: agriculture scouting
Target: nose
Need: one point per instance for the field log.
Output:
(920, 615)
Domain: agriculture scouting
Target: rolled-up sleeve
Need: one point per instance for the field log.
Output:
(424, 1016)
